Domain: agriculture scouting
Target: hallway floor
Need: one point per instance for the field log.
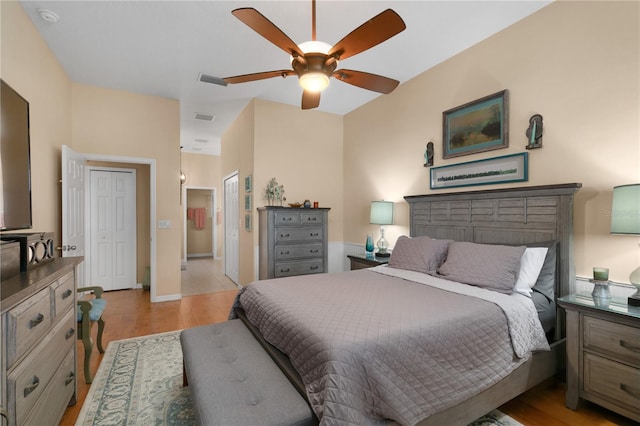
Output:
(205, 275)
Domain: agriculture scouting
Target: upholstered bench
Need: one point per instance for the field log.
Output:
(233, 381)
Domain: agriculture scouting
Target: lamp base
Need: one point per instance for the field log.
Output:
(634, 299)
(385, 254)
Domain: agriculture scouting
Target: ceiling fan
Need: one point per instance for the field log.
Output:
(314, 62)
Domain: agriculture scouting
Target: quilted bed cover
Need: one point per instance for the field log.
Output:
(388, 344)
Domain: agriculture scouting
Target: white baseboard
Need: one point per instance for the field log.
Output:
(194, 255)
(168, 298)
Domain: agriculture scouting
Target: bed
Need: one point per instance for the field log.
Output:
(412, 346)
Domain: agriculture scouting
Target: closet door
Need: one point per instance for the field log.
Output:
(231, 228)
(113, 229)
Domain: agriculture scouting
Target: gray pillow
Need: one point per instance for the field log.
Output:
(494, 267)
(421, 254)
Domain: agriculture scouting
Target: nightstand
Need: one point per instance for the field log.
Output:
(359, 261)
(603, 353)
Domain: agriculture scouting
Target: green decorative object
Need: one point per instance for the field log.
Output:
(274, 192)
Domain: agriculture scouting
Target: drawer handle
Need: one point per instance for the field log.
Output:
(287, 219)
(312, 218)
(284, 252)
(70, 333)
(629, 346)
(284, 270)
(66, 293)
(313, 251)
(285, 235)
(313, 268)
(34, 384)
(626, 389)
(69, 378)
(38, 320)
(314, 234)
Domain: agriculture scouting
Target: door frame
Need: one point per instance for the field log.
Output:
(225, 221)
(151, 162)
(87, 213)
(214, 236)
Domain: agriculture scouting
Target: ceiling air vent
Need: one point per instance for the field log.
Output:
(204, 117)
(205, 78)
(201, 140)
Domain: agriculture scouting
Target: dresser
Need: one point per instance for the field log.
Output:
(293, 241)
(603, 353)
(38, 356)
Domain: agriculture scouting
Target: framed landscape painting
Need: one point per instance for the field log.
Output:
(477, 126)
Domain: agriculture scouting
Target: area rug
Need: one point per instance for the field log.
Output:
(139, 382)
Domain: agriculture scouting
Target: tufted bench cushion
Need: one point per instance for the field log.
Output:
(233, 381)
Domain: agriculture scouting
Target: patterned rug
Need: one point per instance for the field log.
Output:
(139, 382)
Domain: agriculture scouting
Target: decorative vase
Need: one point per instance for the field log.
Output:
(369, 246)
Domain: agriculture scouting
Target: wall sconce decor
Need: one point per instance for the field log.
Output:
(625, 219)
(428, 155)
(382, 214)
(534, 132)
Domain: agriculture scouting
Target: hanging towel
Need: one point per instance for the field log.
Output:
(200, 217)
(189, 213)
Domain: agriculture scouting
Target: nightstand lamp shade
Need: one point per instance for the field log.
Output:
(382, 214)
(625, 219)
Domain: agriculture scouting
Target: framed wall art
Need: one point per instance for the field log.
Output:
(247, 222)
(247, 202)
(508, 168)
(247, 184)
(477, 126)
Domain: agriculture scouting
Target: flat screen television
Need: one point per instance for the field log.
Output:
(15, 161)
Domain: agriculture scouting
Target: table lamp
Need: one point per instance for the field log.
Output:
(382, 214)
(625, 219)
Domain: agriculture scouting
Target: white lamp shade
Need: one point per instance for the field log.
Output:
(381, 213)
(625, 209)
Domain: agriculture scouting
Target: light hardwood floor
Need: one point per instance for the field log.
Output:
(129, 313)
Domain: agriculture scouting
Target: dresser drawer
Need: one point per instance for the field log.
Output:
(299, 268)
(26, 324)
(287, 218)
(298, 251)
(613, 381)
(298, 234)
(29, 379)
(618, 340)
(311, 218)
(57, 395)
(62, 294)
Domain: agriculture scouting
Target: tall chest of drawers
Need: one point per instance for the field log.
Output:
(603, 354)
(38, 355)
(292, 241)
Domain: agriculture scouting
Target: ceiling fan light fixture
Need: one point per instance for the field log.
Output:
(314, 81)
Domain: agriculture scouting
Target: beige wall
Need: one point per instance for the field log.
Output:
(113, 122)
(577, 64)
(238, 156)
(30, 68)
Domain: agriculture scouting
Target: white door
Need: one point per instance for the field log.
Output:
(113, 229)
(231, 225)
(73, 183)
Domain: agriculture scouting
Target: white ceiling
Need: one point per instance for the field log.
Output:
(160, 47)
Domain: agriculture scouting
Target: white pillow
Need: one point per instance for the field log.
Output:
(530, 267)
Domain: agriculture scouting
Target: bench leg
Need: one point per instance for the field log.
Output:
(88, 347)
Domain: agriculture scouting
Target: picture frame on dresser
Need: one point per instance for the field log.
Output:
(477, 126)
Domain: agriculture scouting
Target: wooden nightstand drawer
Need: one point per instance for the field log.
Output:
(612, 381)
(620, 341)
(287, 218)
(62, 293)
(299, 268)
(298, 234)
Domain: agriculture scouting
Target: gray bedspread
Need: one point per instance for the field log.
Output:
(371, 346)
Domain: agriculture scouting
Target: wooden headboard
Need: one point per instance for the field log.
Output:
(503, 216)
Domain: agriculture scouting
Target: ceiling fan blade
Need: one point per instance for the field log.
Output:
(310, 100)
(267, 29)
(373, 32)
(258, 76)
(368, 81)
